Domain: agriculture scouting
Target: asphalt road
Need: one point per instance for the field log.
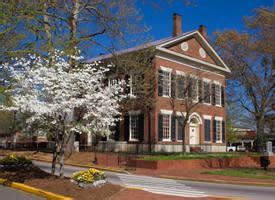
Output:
(7, 193)
(178, 187)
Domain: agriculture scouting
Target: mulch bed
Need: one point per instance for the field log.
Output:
(21, 174)
(35, 177)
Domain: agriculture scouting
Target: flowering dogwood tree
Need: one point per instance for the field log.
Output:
(68, 100)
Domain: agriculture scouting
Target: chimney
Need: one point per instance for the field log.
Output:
(203, 30)
(176, 24)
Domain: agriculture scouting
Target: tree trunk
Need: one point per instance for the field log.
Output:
(73, 30)
(47, 28)
(61, 163)
(54, 159)
(260, 133)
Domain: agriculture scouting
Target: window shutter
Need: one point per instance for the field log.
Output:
(207, 130)
(213, 94)
(222, 95)
(223, 131)
(127, 86)
(160, 127)
(214, 131)
(160, 83)
(117, 131)
(141, 127)
(200, 93)
(173, 86)
(126, 127)
(173, 128)
(180, 128)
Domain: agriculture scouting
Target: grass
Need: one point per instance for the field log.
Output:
(189, 156)
(244, 173)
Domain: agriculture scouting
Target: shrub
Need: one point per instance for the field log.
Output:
(89, 176)
(15, 160)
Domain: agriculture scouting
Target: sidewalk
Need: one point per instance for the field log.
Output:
(84, 159)
(195, 175)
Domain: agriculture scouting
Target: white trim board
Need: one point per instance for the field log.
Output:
(209, 49)
(192, 59)
(188, 65)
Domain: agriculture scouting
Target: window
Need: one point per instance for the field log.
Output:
(166, 126)
(180, 86)
(134, 127)
(218, 94)
(218, 131)
(193, 88)
(206, 92)
(164, 82)
(134, 85)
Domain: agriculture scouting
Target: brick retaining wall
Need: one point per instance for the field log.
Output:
(244, 161)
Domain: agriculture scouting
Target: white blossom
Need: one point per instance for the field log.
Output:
(58, 91)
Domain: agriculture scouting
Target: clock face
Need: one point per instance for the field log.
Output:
(184, 46)
(202, 53)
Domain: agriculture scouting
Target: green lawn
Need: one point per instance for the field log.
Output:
(189, 156)
(244, 173)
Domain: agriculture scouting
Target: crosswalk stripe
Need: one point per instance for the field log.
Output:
(172, 190)
(181, 195)
(160, 186)
(170, 185)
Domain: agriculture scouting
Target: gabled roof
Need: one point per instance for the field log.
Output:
(163, 43)
(136, 48)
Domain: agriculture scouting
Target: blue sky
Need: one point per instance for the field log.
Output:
(215, 14)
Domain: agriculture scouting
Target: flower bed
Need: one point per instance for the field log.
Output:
(89, 178)
(15, 161)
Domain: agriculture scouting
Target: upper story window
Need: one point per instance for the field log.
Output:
(206, 91)
(193, 88)
(180, 83)
(134, 85)
(217, 94)
(164, 82)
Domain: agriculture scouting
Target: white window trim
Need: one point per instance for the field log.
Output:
(219, 85)
(207, 117)
(197, 84)
(181, 73)
(206, 80)
(166, 69)
(220, 119)
(132, 113)
(169, 70)
(166, 112)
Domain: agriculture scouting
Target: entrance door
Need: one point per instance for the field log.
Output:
(193, 134)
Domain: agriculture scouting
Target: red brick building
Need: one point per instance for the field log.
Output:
(179, 55)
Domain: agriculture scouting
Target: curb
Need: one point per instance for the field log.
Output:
(220, 181)
(36, 191)
(87, 166)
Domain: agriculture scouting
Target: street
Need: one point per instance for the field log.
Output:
(8, 193)
(177, 187)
